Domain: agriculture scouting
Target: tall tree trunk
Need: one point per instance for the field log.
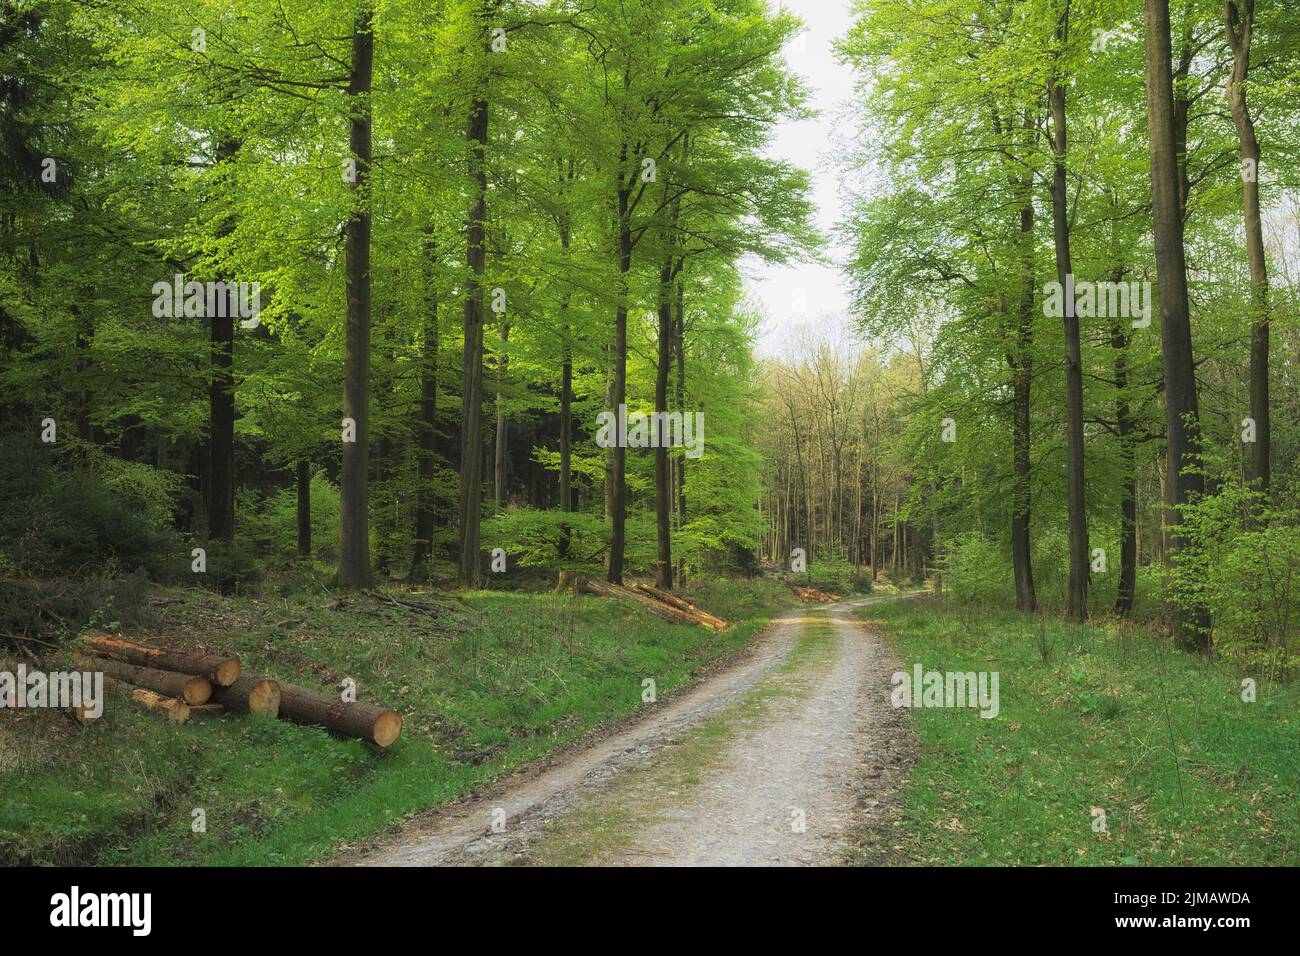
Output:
(503, 426)
(679, 358)
(304, 508)
(1128, 470)
(425, 430)
(1181, 410)
(221, 402)
(471, 457)
(618, 397)
(1077, 598)
(1239, 22)
(354, 493)
(663, 485)
(1021, 374)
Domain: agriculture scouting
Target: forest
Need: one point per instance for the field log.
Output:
(424, 348)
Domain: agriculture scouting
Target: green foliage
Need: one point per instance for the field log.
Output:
(977, 570)
(1240, 566)
(269, 524)
(72, 512)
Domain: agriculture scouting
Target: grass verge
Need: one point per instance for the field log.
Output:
(1097, 717)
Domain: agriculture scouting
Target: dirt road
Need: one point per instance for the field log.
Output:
(785, 759)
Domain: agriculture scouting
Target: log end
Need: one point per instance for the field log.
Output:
(388, 727)
(227, 672)
(264, 698)
(197, 691)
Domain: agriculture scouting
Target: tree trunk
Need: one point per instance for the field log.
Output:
(304, 509)
(250, 695)
(1181, 410)
(354, 492)
(221, 406)
(1239, 22)
(1077, 595)
(679, 357)
(222, 671)
(426, 426)
(618, 396)
(471, 457)
(502, 429)
(1128, 468)
(663, 485)
(187, 687)
(1021, 366)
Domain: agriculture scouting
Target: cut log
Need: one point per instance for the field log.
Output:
(681, 604)
(192, 690)
(222, 671)
(370, 722)
(665, 610)
(176, 710)
(250, 695)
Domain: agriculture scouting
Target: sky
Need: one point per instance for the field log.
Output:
(803, 296)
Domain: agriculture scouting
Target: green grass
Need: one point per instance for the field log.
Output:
(494, 681)
(1116, 718)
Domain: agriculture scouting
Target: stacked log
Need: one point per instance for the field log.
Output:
(173, 708)
(222, 671)
(192, 690)
(182, 685)
(250, 695)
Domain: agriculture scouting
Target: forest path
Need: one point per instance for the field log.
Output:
(779, 760)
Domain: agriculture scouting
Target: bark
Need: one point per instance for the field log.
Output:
(250, 695)
(663, 484)
(618, 396)
(471, 457)
(1077, 593)
(426, 424)
(679, 350)
(379, 725)
(1239, 22)
(503, 427)
(1183, 456)
(1022, 369)
(193, 690)
(221, 406)
(222, 671)
(1128, 469)
(304, 509)
(354, 492)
